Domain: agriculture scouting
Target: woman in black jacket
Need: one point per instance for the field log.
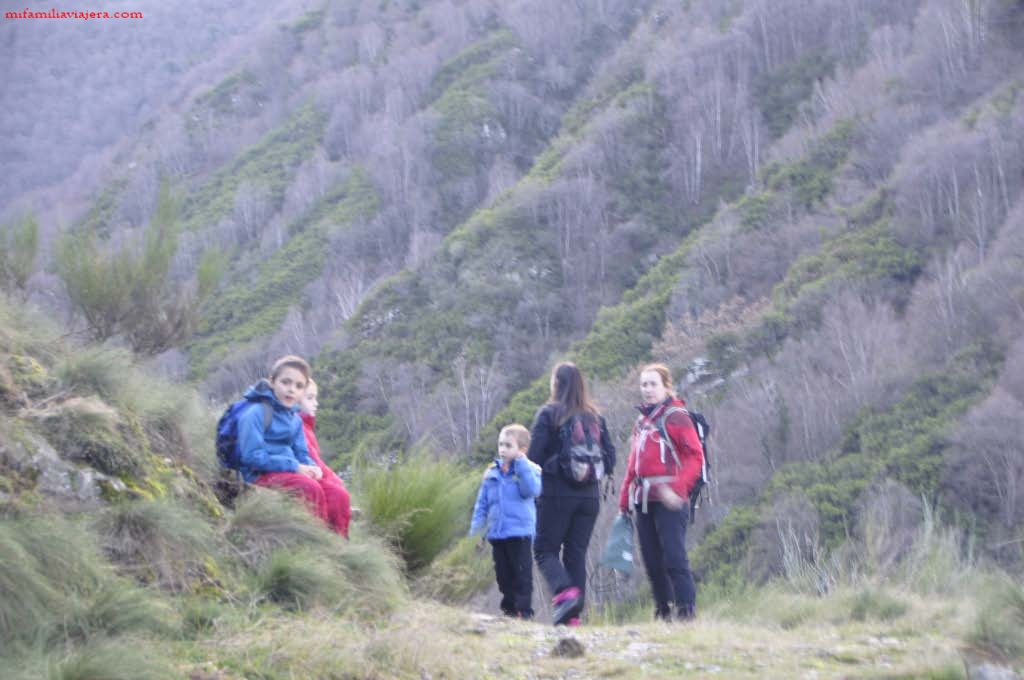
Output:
(566, 510)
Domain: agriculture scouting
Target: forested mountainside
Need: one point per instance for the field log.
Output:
(811, 209)
(75, 91)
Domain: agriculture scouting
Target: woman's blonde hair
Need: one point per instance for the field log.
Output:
(666, 375)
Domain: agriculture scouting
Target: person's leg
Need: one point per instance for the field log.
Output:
(300, 485)
(339, 505)
(552, 524)
(520, 549)
(651, 550)
(582, 518)
(671, 528)
(505, 574)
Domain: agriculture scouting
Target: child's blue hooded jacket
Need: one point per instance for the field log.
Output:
(506, 503)
(281, 448)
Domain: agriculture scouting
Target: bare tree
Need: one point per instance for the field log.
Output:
(252, 206)
(987, 468)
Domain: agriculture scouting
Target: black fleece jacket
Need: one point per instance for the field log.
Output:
(545, 443)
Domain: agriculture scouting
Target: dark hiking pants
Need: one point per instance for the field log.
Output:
(514, 572)
(564, 526)
(662, 534)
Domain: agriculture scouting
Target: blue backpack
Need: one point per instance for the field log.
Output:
(228, 452)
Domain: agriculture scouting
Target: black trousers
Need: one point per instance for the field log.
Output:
(514, 573)
(564, 526)
(662, 534)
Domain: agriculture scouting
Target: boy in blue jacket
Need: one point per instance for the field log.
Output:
(506, 507)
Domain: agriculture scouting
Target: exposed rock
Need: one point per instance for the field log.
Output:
(570, 648)
(990, 671)
(65, 483)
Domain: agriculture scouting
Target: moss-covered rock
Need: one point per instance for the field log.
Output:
(89, 430)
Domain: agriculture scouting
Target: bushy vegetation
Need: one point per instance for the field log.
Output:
(19, 245)
(129, 291)
(906, 442)
(420, 506)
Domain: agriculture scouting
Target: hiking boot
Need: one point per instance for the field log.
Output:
(687, 612)
(566, 605)
(574, 621)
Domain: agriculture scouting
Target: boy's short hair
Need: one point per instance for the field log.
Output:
(290, 361)
(519, 433)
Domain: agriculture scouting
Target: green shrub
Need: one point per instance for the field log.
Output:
(19, 244)
(420, 505)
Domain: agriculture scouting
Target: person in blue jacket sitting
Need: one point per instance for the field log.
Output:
(506, 507)
(275, 454)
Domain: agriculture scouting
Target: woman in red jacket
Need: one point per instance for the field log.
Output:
(659, 476)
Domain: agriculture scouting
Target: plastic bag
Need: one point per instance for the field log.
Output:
(618, 551)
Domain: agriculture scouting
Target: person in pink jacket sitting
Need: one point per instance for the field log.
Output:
(338, 502)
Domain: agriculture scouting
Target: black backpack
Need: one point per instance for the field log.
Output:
(581, 459)
(699, 492)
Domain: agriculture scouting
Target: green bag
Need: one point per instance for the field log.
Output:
(618, 551)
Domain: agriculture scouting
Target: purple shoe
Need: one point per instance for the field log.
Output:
(567, 604)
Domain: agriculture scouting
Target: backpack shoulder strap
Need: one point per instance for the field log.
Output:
(268, 415)
(662, 419)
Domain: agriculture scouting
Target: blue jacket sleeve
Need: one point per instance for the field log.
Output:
(528, 477)
(479, 510)
(256, 455)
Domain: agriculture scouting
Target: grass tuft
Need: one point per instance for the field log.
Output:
(117, 659)
(161, 542)
(877, 605)
(999, 626)
(43, 562)
(459, 573)
(420, 505)
(299, 580)
(265, 521)
(116, 608)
